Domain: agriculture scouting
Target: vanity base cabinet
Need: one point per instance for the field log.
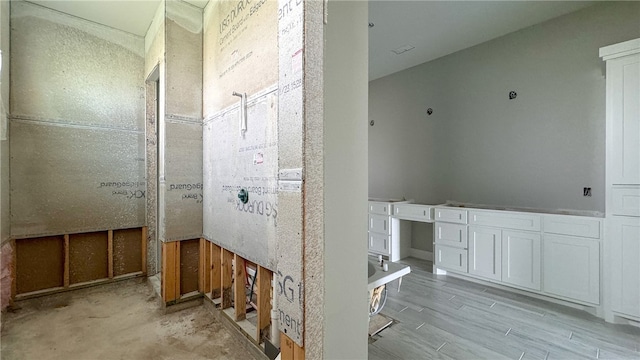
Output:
(387, 236)
(572, 267)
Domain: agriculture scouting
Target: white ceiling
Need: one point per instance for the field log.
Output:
(433, 28)
(439, 28)
(133, 16)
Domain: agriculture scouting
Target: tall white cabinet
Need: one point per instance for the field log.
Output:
(623, 177)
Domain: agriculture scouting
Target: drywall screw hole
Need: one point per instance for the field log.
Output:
(512, 95)
(372, 122)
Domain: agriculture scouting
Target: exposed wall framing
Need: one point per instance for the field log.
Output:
(241, 289)
(289, 350)
(51, 264)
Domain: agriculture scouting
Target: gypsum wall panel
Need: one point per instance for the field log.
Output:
(71, 179)
(127, 251)
(183, 57)
(250, 161)
(73, 70)
(39, 264)
(88, 257)
(183, 181)
(189, 265)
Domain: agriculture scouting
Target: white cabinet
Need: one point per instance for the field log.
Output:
(511, 257)
(450, 239)
(387, 236)
(521, 259)
(379, 229)
(550, 254)
(572, 267)
(622, 248)
(625, 279)
(485, 245)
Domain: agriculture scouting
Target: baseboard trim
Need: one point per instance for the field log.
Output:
(421, 254)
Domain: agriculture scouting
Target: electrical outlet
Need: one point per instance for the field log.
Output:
(586, 191)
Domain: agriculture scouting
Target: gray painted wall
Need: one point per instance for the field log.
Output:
(538, 150)
(77, 115)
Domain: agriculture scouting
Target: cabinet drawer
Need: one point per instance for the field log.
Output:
(413, 212)
(451, 258)
(451, 234)
(451, 215)
(379, 224)
(380, 208)
(505, 220)
(379, 243)
(572, 226)
(626, 201)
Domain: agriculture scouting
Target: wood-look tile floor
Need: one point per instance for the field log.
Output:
(440, 317)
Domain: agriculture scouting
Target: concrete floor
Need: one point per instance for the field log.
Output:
(117, 321)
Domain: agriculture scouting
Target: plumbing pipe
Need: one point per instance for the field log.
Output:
(275, 328)
(243, 111)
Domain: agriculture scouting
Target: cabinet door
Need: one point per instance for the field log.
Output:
(625, 262)
(379, 243)
(572, 267)
(451, 258)
(485, 248)
(521, 259)
(623, 107)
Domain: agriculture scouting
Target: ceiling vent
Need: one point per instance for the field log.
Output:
(403, 49)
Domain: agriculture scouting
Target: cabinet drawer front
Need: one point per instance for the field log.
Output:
(451, 215)
(626, 201)
(571, 267)
(451, 258)
(380, 208)
(379, 224)
(379, 243)
(451, 234)
(505, 220)
(572, 226)
(413, 212)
